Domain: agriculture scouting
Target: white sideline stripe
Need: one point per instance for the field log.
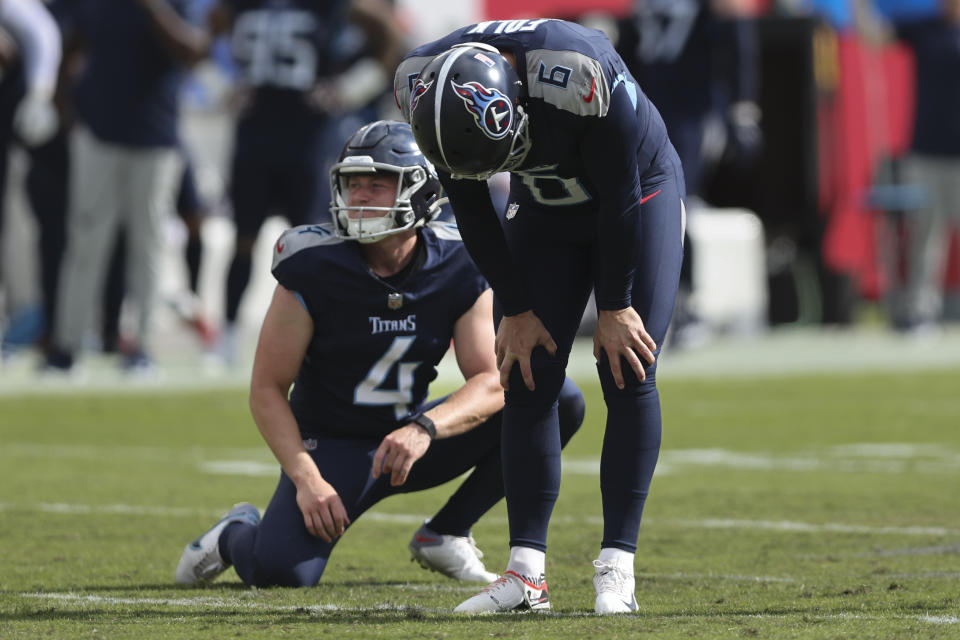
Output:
(854, 458)
(328, 608)
(892, 553)
(806, 527)
(111, 509)
(859, 616)
(205, 602)
(409, 518)
(894, 458)
(680, 575)
(234, 604)
(240, 468)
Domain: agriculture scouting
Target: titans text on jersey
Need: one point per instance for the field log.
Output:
(365, 354)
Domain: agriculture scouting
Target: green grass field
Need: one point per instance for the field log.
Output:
(816, 506)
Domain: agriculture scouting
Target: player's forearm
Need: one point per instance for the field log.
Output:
(468, 407)
(485, 242)
(272, 414)
(610, 154)
(38, 39)
(618, 237)
(376, 19)
(183, 41)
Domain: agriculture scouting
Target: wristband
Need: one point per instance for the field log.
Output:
(427, 425)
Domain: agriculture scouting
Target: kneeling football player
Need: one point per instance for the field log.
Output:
(364, 310)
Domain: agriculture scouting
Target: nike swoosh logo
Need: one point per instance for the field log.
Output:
(425, 539)
(279, 247)
(593, 88)
(542, 586)
(645, 198)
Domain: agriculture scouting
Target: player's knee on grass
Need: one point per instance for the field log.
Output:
(303, 574)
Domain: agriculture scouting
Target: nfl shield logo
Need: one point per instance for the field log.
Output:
(394, 301)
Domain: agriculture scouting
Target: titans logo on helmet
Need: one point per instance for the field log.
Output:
(491, 109)
(419, 88)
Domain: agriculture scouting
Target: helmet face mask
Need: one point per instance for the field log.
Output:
(384, 147)
(466, 115)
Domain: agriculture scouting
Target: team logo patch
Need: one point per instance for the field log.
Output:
(419, 88)
(491, 109)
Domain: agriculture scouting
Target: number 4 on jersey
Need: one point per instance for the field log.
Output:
(369, 391)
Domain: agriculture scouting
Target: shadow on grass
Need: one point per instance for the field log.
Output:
(280, 615)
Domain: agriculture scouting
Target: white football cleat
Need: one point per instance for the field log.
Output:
(456, 557)
(510, 592)
(614, 587)
(201, 561)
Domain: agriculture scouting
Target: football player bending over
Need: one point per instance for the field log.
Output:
(596, 202)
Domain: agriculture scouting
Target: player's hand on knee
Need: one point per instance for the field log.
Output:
(398, 451)
(621, 333)
(517, 337)
(323, 512)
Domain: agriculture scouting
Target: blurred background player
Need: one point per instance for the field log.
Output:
(30, 53)
(126, 133)
(933, 164)
(297, 76)
(698, 62)
(363, 311)
(192, 210)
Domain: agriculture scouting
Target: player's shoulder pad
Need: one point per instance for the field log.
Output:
(568, 80)
(293, 241)
(445, 230)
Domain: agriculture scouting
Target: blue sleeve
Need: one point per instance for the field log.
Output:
(483, 237)
(610, 155)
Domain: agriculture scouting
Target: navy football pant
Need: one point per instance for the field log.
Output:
(280, 551)
(555, 255)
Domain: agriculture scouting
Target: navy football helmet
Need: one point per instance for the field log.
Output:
(466, 114)
(379, 147)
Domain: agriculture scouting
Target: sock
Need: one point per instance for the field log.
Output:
(527, 562)
(194, 255)
(223, 543)
(618, 558)
(238, 277)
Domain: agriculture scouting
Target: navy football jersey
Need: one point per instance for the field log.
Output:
(281, 48)
(936, 45)
(375, 346)
(597, 144)
(129, 91)
(570, 76)
(688, 59)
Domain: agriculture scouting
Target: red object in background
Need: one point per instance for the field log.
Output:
(757, 7)
(506, 9)
(869, 117)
